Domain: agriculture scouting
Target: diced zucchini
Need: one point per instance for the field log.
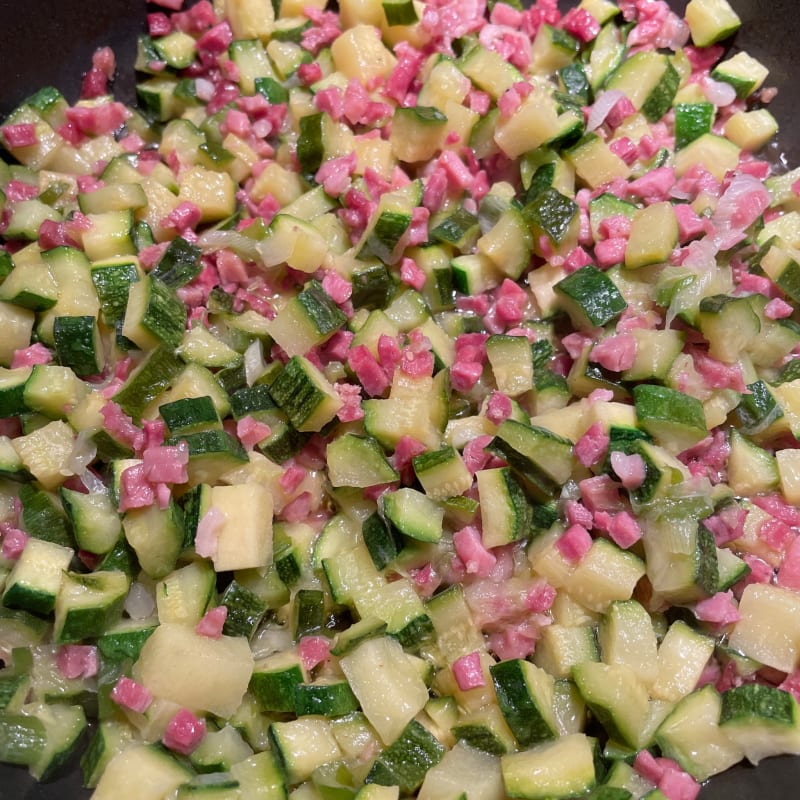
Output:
(488, 70)
(141, 772)
(274, 680)
(590, 297)
(616, 697)
(219, 751)
(654, 235)
(765, 631)
(692, 120)
(505, 513)
(304, 393)
(525, 696)
(88, 604)
(303, 745)
(595, 163)
(626, 636)
(406, 761)
(35, 580)
(307, 320)
(692, 736)
(649, 81)
(605, 574)
(294, 242)
(682, 656)
(63, 727)
(463, 769)
(674, 419)
(387, 683)
(184, 594)
(762, 720)
(711, 20)
(716, 154)
(751, 130)
(442, 473)
(743, 72)
(52, 390)
(156, 537)
(561, 768)
(417, 132)
(244, 537)
(197, 672)
(541, 459)
(153, 315)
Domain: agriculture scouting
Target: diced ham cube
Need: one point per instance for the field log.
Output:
(213, 622)
(630, 469)
(14, 541)
(477, 560)
(654, 185)
(464, 375)
(135, 490)
(468, 671)
(540, 597)
(592, 446)
(760, 570)
(350, 395)
(778, 309)
(158, 24)
(517, 640)
(98, 119)
(314, 650)
(184, 732)
(789, 571)
(77, 661)
(499, 407)
(334, 174)
(776, 506)
(475, 455)
(121, 426)
(600, 493)
(369, 372)
(581, 24)
(574, 543)
(22, 134)
(298, 510)
(609, 252)
(676, 784)
(208, 528)
(690, 224)
(721, 609)
(166, 464)
(54, 234)
(129, 694)
(250, 431)
(20, 190)
(407, 448)
(620, 111)
(411, 274)
(616, 353)
(577, 514)
(648, 766)
(216, 39)
(727, 524)
(36, 353)
(624, 530)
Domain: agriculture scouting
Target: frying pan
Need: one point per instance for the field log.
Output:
(50, 42)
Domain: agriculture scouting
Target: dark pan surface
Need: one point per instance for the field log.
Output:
(50, 42)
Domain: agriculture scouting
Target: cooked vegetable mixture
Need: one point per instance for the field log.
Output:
(402, 401)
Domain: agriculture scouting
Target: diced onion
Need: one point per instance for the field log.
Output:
(140, 603)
